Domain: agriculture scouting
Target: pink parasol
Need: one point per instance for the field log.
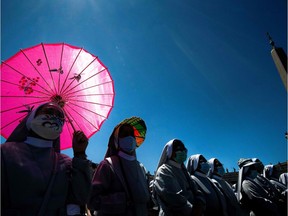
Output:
(68, 75)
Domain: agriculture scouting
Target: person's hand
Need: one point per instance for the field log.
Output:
(79, 144)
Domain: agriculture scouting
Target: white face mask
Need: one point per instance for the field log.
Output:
(47, 126)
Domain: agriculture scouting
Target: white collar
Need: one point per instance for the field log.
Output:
(40, 143)
(126, 156)
(173, 163)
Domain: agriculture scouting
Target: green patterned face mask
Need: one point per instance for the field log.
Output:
(181, 156)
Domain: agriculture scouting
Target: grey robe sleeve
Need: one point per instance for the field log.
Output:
(170, 192)
(256, 199)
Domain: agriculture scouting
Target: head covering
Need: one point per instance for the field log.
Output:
(260, 164)
(139, 128)
(268, 171)
(244, 164)
(283, 178)
(193, 162)
(166, 153)
(20, 133)
(212, 162)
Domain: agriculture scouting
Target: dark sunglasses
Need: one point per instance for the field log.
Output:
(126, 130)
(51, 111)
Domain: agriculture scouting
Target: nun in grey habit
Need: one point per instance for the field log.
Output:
(252, 193)
(198, 168)
(176, 191)
(216, 174)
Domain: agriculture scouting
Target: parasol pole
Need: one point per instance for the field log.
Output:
(70, 122)
(61, 102)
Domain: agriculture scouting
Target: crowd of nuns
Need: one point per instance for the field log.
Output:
(38, 180)
(260, 190)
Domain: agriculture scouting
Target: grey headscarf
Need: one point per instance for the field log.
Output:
(244, 165)
(166, 153)
(193, 163)
(212, 162)
(268, 171)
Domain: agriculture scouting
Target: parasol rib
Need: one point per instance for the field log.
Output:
(78, 75)
(14, 108)
(17, 119)
(84, 95)
(69, 116)
(46, 57)
(70, 70)
(48, 94)
(89, 110)
(36, 70)
(70, 122)
(83, 117)
(67, 94)
(25, 76)
(59, 74)
(18, 96)
(84, 80)
(89, 102)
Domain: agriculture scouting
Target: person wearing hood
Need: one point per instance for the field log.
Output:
(254, 192)
(119, 185)
(198, 168)
(36, 179)
(278, 196)
(283, 178)
(271, 173)
(216, 174)
(176, 191)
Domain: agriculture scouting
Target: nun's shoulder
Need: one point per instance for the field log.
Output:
(11, 146)
(164, 168)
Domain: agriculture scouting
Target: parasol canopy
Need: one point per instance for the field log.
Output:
(139, 128)
(68, 75)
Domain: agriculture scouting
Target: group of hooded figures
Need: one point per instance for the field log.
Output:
(37, 179)
(254, 194)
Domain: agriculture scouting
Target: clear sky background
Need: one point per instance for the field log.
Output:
(200, 71)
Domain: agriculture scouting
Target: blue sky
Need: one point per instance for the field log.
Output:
(199, 71)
